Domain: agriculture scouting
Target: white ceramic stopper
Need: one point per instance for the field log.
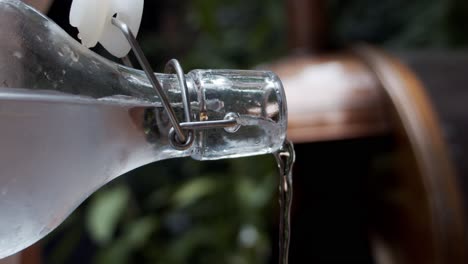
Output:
(93, 18)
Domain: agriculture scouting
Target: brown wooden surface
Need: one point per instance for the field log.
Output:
(15, 259)
(307, 25)
(426, 224)
(31, 255)
(41, 5)
(331, 97)
(417, 213)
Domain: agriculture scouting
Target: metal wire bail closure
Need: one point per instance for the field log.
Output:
(173, 66)
(181, 135)
(151, 76)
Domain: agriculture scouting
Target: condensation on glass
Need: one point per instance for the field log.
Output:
(71, 121)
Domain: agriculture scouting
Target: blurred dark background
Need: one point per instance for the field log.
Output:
(183, 211)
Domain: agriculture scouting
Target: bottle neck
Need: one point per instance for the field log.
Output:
(66, 67)
(255, 98)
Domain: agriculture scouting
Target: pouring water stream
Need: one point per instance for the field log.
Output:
(285, 157)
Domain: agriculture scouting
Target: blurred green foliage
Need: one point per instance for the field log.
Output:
(399, 23)
(219, 34)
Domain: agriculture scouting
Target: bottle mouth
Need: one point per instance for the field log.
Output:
(258, 101)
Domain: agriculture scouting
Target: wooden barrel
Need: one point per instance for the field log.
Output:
(414, 214)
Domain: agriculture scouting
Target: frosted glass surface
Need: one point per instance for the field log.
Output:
(70, 121)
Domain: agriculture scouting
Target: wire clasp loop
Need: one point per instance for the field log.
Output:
(181, 135)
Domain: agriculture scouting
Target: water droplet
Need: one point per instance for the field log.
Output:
(75, 57)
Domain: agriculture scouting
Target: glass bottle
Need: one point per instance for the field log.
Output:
(71, 121)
